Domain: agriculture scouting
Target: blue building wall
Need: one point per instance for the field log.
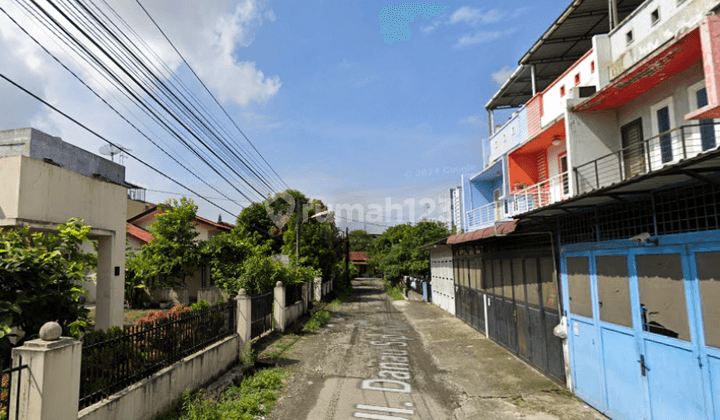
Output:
(512, 134)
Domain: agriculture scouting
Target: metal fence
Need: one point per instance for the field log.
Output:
(261, 308)
(293, 294)
(115, 359)
(649, 155)
(11, 376)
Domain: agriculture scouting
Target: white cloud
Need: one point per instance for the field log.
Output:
(431, 28)
(500, 76)
(482, 37)
(208, 34)
(478, 38)
(472, 119)
(474, 16)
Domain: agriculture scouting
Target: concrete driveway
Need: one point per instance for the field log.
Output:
(390, 360)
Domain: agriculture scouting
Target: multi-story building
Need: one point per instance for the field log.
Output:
(612, 152)
(450, 204)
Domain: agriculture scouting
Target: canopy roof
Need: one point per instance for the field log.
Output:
(567, 39)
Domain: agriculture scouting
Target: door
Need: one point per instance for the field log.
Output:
(498, 207)
(707, 126)
(670, 360)
(633, 152)
(619, 348)
(564, 179)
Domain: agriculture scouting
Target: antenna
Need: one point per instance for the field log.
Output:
(110, 150)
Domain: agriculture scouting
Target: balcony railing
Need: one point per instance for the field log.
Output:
(649, 155)
(542, 194)
(488, 214)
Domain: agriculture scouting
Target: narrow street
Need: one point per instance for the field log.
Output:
(388, 360)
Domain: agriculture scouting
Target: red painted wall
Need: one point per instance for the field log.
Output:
(522, 169)
(534, 114)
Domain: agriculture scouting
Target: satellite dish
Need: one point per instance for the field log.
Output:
(111, 150)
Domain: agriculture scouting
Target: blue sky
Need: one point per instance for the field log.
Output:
(340, 114)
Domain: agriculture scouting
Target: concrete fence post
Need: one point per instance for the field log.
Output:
(279, 307)
(305, 297)
(244, 317)
(317, 289)
(50, 387)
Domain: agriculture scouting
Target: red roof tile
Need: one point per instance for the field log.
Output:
(139, 233)
(359, 256)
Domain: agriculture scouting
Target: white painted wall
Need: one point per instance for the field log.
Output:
(674, 19)
(553, 103)
(675, 92)
(149, 397)
(441, 278)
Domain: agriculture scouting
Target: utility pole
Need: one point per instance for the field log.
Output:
(347, 257)
(298, 221)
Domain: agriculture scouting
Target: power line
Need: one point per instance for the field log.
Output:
(138, 72)
(208, 90)
(111, 107)
(81, 125)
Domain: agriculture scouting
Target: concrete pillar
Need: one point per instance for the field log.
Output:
(305, 297)
(317, 289)
(710, 44)
(110, 282)
(244, 317)
(279, 307)
(50, 387)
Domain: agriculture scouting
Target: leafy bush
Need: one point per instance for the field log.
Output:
(39, 275)
(253, 399)
(317, 320)
(394, 291)
(200, 305)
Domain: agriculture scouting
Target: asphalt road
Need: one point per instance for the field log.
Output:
(387, 360)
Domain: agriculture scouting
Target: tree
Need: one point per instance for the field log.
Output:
(360, 240)
(39, 275)
(226, 255)
(255, 226)
(174, 252)
(397, 251)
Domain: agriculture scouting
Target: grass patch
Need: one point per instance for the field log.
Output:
(342, 295)
(394, 292)
(254, 398)
(317, 320)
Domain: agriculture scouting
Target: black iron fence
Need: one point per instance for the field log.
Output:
(115, 359)
(261, 318)
(293, 294)
(11, 377)
(648, 155)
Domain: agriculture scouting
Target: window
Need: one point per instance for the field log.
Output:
(709, 277)
(655, 16)
(592, 66)
(662, 295)
(578, 274)
(562, 91)
(629, 37)
(613, 290)
(663, 121)
(698, 97)
(562, 161)
(577, 79)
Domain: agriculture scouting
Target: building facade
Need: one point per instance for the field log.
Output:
(613, 152)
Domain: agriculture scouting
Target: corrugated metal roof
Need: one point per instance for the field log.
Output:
(499, 230)
(562, 44)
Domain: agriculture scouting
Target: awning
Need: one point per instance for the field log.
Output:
(678, 55)
(562, 44)
(499, 230)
